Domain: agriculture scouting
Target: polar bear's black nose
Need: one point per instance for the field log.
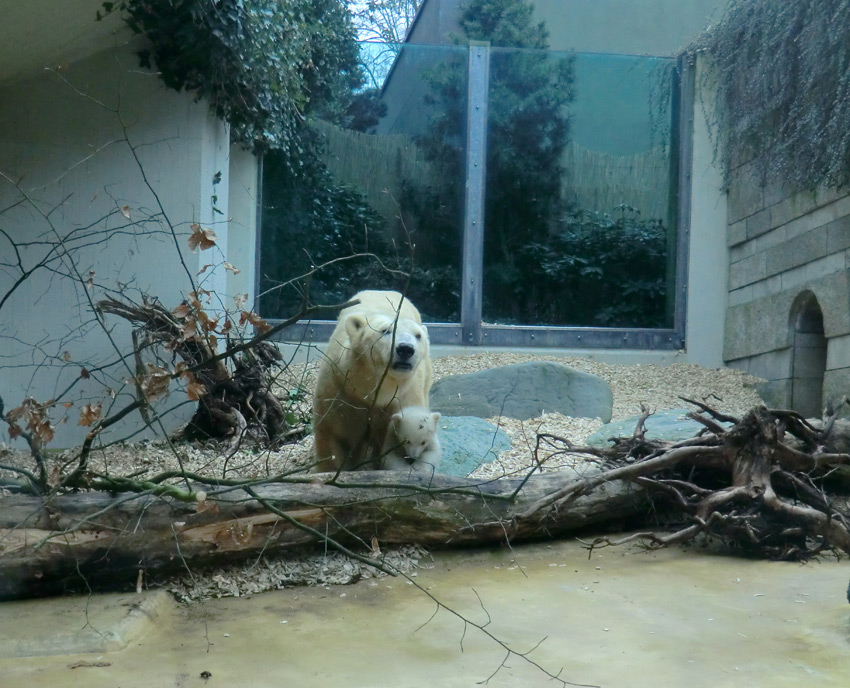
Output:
(405, 351)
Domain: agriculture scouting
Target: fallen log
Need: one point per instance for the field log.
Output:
(96, 540)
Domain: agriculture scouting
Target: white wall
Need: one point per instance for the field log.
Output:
(708, 261)
(244, 198)
(75, 148)
(627, 27)
(631, 27)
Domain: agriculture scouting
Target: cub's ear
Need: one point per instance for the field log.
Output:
(354, 324)
(396, 417)
(436, 417)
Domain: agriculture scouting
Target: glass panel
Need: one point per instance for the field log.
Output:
(581, 190)
(388, 189)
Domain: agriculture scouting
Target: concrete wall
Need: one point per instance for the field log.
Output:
(624, 27)
(633, 27)
(75, 148)
(243, 203)
(708, 255)
(435, 21)
(628, 27)
(788, 261)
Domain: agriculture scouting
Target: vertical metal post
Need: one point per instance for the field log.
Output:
(683, 99)
(476, 177)
(258, 241)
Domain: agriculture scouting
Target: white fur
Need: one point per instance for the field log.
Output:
(411, 443)
(376, 363)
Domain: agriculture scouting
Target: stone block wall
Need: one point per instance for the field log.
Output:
(788, 316)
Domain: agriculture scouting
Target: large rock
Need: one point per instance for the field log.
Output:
(468, 442)
(524, 390)
(671, 425)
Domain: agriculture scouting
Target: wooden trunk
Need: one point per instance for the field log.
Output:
(96, 540)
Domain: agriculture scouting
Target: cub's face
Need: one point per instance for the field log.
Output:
(415, 429)
(400, 347)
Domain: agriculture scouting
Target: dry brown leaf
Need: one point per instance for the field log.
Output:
(376, 548)
(255, 320)
(37, 421)
(201, 238)
(195, 390)
(89, 414)
(207, 323)
(155, 384)
(182, 311)
(55, 476)
(189, 329)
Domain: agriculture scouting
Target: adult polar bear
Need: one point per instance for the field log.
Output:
(376, 363)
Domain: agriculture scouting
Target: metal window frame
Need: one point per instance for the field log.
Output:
(472, 331)
(472, 291)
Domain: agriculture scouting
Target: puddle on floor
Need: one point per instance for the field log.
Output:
(622, 619)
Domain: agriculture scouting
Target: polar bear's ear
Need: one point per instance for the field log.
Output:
(436, 417)
(354, 323)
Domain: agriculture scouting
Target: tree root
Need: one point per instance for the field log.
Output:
(748, 485)
(233, 389)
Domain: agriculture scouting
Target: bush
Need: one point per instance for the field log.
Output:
(309, 219)
(596, 271)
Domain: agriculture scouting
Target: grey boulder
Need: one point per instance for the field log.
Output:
(467, 442)
(523, 391)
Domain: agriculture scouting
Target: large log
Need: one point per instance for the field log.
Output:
(98, 540)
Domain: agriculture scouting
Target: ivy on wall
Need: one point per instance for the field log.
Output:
(781, 71)
(264, 65)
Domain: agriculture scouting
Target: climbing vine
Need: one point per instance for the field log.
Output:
(264, 65)
(781, 72)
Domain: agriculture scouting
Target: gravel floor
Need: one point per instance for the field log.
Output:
(656, 386)
(659, 387)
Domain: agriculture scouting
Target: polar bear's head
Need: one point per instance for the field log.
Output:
(413, 431)
(398, 347)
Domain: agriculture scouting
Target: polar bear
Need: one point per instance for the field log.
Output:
(411, 443)
(376, 362)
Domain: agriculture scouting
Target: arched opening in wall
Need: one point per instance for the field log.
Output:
(809, 357)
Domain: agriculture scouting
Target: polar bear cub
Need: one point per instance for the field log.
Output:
(411, 442)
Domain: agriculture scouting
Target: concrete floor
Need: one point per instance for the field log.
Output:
(621, 619)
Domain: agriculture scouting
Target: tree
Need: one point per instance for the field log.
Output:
(382, 26)
(528, 129)
(310, 219)
(264, 65)
(383, 21)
